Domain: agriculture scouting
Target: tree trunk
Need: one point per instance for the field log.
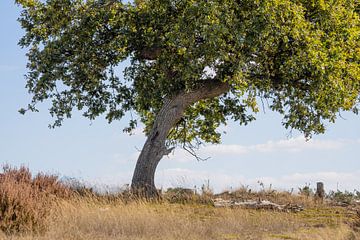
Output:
(154, 148)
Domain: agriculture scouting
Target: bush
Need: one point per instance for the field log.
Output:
(306, 191)
(341, 197)
(26, 202)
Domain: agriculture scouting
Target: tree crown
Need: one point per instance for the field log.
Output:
(301, 57)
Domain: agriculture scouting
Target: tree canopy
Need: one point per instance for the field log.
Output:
(298, 57)
(301, 56)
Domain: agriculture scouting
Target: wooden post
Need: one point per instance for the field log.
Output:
(320, 192)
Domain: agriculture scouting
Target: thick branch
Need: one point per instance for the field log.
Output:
(207, 89)
(173, 109)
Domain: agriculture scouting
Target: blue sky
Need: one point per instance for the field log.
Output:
(102, 154)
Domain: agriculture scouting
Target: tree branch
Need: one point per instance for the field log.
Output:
(149, 53)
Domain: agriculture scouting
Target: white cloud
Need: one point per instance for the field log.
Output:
(298, 144)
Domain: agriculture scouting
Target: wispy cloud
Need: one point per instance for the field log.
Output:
(297, 145)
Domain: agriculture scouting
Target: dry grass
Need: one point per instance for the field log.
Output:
(89, 219)
(42, 208)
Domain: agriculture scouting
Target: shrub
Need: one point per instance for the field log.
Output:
(26, 202)
(341, 197)
(306, 191)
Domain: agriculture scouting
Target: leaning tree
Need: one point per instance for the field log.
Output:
(193, 65)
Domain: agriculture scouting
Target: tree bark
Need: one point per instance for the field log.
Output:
(154, 148)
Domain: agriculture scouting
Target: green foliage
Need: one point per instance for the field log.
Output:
(300, 56)
(343, 197)
(306, 191)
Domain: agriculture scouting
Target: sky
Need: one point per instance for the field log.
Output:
(101, 154)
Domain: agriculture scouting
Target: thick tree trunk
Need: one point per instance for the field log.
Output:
(154, 148)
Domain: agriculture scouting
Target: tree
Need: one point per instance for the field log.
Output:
(194, 65)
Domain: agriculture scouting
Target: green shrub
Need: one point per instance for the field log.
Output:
(341, 197)
(306, 191)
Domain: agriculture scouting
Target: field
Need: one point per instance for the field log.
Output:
(49, 210)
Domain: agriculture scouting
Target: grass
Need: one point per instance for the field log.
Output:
(89, 219)
(79, 216)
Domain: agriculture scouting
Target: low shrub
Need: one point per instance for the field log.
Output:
(306, 191)
(26, 202)
(340, 197)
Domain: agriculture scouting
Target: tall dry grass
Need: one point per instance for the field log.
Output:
(42, 208)
(92, 219)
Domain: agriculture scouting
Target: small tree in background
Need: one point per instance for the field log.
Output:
(194, 65)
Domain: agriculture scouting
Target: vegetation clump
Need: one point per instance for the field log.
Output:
(344, 198)
(26, 201)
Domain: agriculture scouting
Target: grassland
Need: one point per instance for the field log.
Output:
(74, 215)
(88, 219)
